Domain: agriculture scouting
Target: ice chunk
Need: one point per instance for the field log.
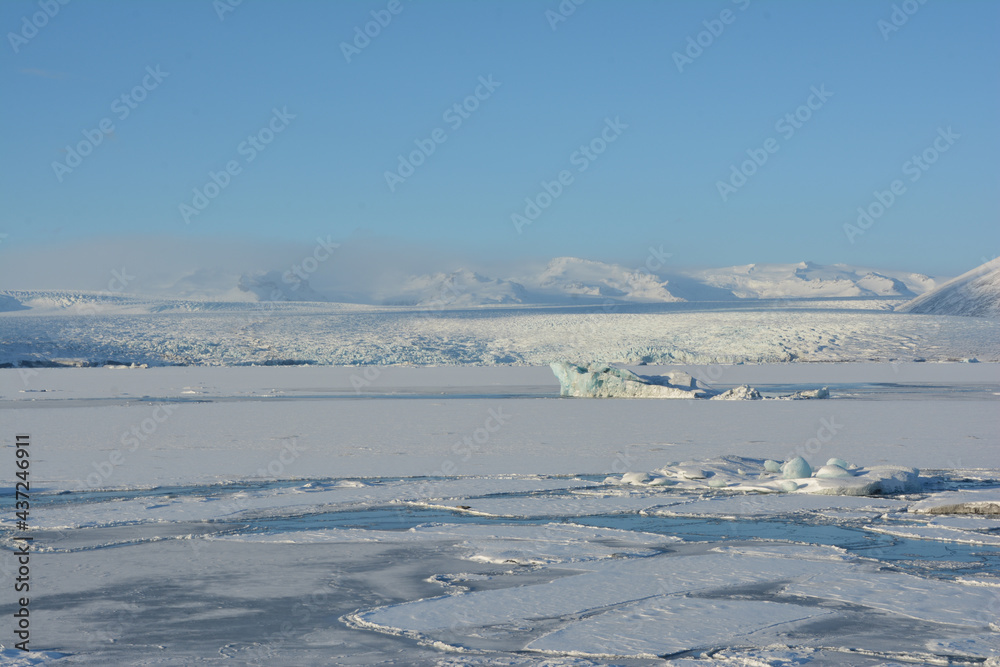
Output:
(742, 393)
(772, 466)
(636, 478)
(822, 392)
(869, 481)
(641, 479)
(832, 471)
(797, 468)
(691, 472)
(838, 462)
(603, 381)
(797, 476)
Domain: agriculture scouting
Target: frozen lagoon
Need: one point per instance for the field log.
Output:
(460, 516)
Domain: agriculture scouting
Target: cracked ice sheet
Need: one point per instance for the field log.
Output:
(933, 600)
(523, 545)
(767, 504)
(938, 533)
(602, 588)
(584, 503)
(944, 528)
(666, 625)
(215, 503)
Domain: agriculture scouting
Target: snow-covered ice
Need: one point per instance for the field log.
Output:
(450, 515)
(969, 501)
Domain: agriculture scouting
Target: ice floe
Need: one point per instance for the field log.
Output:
(968, 501)
(751, 596)
(546, 544)
(666, 625)
(222, 503)
(943, 533)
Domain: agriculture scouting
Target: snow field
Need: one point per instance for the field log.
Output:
(435, 516)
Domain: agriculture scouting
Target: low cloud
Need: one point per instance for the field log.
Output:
(359, 267)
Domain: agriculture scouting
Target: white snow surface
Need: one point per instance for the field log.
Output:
(461, 516)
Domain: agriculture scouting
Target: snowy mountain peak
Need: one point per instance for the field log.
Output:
(975, 293)
(809, 280)
(575, 278)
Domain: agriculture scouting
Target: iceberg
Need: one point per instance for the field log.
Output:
(742, 393)
(603, 381)
(822, 392)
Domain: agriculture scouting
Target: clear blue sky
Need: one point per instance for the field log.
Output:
(656, 183)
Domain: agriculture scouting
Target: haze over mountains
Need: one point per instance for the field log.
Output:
(560, 281)
(573, 280)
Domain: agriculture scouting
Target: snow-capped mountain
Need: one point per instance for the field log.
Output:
(571, 278)
(560, 281)
(975, 293)
(809, 280)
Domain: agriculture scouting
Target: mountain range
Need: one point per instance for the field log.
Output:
(574, 280)
(566, 281)
(560, 281)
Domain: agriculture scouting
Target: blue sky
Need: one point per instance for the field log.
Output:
(671, 133)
